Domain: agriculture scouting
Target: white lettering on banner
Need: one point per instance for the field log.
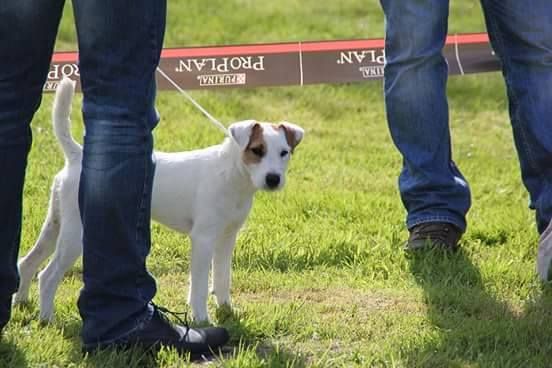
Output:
(361, 56)
(371, 71)
(221, 65)
(59, 71)
(221, 79)
(50, 86)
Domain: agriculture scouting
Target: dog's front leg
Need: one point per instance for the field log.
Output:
(222, 269)
(202, 254)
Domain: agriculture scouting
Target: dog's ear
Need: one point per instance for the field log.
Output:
(294, 133)
(241, 132)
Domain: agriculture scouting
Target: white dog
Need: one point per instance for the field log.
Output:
(205, 193)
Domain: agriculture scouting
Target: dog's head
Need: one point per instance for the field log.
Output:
(265, 150)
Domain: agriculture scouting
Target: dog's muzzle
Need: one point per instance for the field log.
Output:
(272, 181)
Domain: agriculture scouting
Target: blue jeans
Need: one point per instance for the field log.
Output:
(432, 187)
(120, 43)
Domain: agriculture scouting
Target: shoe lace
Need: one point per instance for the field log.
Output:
(163, 312)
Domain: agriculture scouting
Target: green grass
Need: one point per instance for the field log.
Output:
(320, 279)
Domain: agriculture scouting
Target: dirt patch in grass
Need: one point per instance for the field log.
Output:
(332, 300)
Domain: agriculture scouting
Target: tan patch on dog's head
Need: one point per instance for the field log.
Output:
(256, 148)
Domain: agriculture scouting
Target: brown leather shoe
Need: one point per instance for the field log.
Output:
(428, 235)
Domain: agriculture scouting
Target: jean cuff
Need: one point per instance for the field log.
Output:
(461, 224)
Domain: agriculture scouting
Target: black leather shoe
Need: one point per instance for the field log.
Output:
(441, 235)
(160, 331)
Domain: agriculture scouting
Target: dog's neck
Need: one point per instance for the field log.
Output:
(235, 173)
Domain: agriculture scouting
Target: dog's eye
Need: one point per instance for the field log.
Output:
(284, 153)
(258, 151)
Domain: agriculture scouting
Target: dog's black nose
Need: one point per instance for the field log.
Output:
(272, 180)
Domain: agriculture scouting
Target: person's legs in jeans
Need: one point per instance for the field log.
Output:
(120, 44)
(27, 34)
(431, 186)
(521, 35)
(119, 47)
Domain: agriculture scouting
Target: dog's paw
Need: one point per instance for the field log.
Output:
(46, 317)
(20, 299)
(200, 317)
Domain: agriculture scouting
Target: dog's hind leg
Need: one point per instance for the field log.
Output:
(69, 248)
(42, 249)
(222, 269)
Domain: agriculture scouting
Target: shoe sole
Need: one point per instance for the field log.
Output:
(153, 349)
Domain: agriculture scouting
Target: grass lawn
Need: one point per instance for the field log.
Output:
(320, 279)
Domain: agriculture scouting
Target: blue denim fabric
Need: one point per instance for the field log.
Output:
(119, 47)
(24, 62)
(432, 187)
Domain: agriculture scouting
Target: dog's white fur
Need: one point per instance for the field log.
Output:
(205, 193)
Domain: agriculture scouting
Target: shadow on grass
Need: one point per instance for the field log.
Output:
(249, 345)
(10, 355)
(473, 327)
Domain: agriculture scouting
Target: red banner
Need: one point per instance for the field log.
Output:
(288, 64)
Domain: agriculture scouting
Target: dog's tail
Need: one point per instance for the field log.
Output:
(62, 121)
